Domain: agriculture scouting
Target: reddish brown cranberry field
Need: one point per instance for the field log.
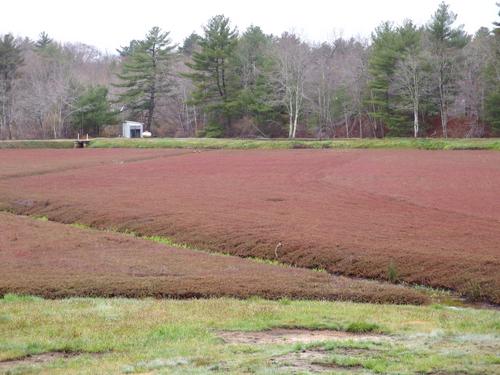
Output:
(55, 260)
(18, 163)
(433, 217)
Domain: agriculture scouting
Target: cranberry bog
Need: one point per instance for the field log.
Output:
(423, 217)
(31, 162)
(57, 260)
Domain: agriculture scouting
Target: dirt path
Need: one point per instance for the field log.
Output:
(293, 336)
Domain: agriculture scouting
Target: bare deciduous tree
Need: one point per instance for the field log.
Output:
(411, 82)
(291, 56)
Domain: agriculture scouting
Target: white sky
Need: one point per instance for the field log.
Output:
(109, 24)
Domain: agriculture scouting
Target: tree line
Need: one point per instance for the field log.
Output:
(407, 80)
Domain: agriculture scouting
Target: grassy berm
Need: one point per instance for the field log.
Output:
(266, 144)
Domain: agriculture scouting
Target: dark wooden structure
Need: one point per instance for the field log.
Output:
(81, 143)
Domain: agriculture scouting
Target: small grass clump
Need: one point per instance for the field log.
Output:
(362, 327)
(11, 297)
(392, 273)
(41, 218)
(474, 291)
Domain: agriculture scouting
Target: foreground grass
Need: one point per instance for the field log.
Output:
(172, 336)
(211, 143)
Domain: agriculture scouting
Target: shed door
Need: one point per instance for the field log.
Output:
(135, 133)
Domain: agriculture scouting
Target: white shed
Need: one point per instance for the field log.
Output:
(132, 129)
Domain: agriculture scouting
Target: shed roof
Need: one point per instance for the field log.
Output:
(132, 123)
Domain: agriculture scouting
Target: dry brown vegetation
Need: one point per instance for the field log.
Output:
(425, 217)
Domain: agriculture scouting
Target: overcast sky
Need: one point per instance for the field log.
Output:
(108, 24)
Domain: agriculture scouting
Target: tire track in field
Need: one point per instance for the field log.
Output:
(77, 166)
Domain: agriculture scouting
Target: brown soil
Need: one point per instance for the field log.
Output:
(293, 336)
(55, 260)
(435, 215)
(35, 359)
(309, 361)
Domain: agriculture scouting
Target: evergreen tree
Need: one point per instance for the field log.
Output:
(43, 41)
(212, 74)
(93, 111)
(389, 46)
(145, 75)
(190, 44)
(493, 110)
(253, 65)
(446, 42)
(10, 62)
(497, 24)
(493, 77)
(128, 50)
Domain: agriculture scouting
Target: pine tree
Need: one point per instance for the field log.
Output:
(497, 24)
(10, 62)
(190, 44)
(93, 111)
(145, 75)
(386, 50)
(43, 40)
(128, 50)
(493, 75)
(253, 63)
(446, 41)
(212, 75)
